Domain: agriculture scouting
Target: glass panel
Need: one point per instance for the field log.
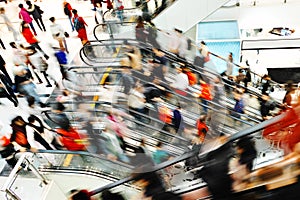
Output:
(218, 30)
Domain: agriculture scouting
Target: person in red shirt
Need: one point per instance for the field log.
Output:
(30, 38)
(79, 25)
(202, 128)
(68, 11)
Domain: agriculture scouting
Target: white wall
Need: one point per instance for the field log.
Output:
(261, 16)
(184, 14)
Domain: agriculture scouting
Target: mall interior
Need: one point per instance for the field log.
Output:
(149, 99)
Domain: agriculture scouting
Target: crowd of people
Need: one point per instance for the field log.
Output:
(145, 81)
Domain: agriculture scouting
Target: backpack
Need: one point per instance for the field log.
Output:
(66, 10)
(78, 25)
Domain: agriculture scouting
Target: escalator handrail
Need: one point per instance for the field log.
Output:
(85, 153)
(217, 56)
(202, 157)
(186, 98)
(197, 102)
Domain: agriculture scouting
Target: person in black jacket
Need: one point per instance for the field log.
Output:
(6, 89)
(36, 12)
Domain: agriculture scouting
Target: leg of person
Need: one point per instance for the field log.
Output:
(38, 23)
(72, 25)
(2, 44)
(65, 44)
(37, 46)
(46, 78)
(12, 97)
(29, 89)
(32, 28)
(41, 20)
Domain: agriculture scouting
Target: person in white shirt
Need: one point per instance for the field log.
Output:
(181, 82)
(58, 33)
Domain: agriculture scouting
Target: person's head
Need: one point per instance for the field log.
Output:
(24, 24)
(58, 106)
(230, 56)
(245, 147)
(139, 19)
(179, 70)
(159, 144)
(79, 195)
(2, 10)
(74, 11)
(21, 5)
(241, 71)
(19, 71)
(28, 3)
(18, 121)
(13, 45)
(202, 117)
(30, 100)
(202, 43)
(52, 19)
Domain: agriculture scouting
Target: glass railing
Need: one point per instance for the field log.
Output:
(165, 39)
(151, 8)
(191, 179)
(40, 169)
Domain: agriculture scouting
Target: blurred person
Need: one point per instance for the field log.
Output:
(266, 105)
(38, 64)
(181, 82)
(7, 90)
(111, 145)
(266, 84)
(239, 106)
(4, 71)
(126, 79)
(229, 65)
(160, 155)
(24, 15)
(292, 97)
(79, 195)
(108, 195)
(242, 165)
(9, 25)
(79, 25)
(30, 38)
(158, 71)
(140, 31)
(205, 95)
(19, 133)
(8, 151)
(118, 6)
(37, 135)
(136, 101)
(161, 56)
(24, 84)
(59, 34)
(240, 77)
(36, 12)
(204, 51)
(70, 138)
(142, 155)
(152, 31)
(98, 8)
(177, 120)
(202, 130)
(191, 76)
(150, 183)
(68, 11)
(19, 55)
(179, 44)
